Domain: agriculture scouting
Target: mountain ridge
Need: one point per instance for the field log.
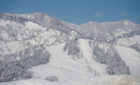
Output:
(67, 52)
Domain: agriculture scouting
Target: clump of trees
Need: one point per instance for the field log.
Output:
(136, 47)
(13, 70)
(110, 57)
(72, 49)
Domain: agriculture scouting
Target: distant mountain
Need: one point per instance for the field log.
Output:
(58, 51)
(109, 31)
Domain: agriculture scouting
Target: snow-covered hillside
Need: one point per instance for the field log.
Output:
(37, 49)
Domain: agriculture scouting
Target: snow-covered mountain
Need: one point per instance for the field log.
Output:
(57, 52)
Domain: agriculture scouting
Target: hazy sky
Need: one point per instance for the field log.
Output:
(77, 11)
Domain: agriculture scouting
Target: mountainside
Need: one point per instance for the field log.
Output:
(45, 50)
(110, 31)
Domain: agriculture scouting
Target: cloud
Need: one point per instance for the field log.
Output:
(98, 14)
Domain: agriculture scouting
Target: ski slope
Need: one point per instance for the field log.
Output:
(65, 68)
(97, 68)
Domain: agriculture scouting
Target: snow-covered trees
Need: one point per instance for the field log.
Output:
(136, 47)
(13, 70)
(72, 48)
(110, 57)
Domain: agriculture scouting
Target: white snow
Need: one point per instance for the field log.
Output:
(131, 57)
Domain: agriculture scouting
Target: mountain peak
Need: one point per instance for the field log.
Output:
(38, 13)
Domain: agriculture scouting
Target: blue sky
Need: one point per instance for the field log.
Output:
(77, 11)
